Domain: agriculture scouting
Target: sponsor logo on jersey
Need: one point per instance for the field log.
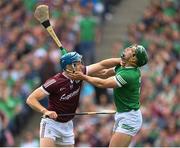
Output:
(63, 88)
(67, 97)
(127, 127)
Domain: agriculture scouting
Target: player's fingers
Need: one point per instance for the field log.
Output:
(71, 75)
(79, 72)
(75, 74)
(69, 71)
(122, 62)
(53, 116)
(78, 75)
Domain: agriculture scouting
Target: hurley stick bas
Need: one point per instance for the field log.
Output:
(42, 15)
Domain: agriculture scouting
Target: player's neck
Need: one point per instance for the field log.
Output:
(128, 64)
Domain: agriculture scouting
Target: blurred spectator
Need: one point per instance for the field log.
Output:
(29, 140)
(88, 35)
(6, 137)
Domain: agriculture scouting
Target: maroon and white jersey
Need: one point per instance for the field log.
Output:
(63, 95)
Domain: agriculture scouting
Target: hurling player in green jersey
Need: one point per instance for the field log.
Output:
(125, 79)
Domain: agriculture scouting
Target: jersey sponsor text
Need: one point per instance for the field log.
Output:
(64, 97)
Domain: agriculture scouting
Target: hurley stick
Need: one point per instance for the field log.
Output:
(42, 15)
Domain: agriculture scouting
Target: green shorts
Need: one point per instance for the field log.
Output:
(128, 122)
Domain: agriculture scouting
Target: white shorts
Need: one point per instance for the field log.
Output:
(61, 133)
(128, 122)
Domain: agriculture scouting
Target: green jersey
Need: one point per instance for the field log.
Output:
(127, 95)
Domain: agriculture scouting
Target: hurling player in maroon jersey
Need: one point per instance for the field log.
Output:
(63, 93)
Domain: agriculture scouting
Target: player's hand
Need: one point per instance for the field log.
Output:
(77, 75)
(51, 114)
(69, 71)
(122, 62)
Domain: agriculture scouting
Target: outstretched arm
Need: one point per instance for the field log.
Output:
(98, 82)
(105, 64)
(102, 83)
(105, 73)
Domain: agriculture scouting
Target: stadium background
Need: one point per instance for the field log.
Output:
(28, 56)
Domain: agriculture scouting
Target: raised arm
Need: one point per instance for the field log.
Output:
(96, 69)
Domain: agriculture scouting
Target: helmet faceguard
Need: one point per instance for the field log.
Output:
(69, 59)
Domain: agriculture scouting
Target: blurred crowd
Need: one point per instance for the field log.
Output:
(28, 56)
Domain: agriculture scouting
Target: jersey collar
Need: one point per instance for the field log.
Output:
(129, 67)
